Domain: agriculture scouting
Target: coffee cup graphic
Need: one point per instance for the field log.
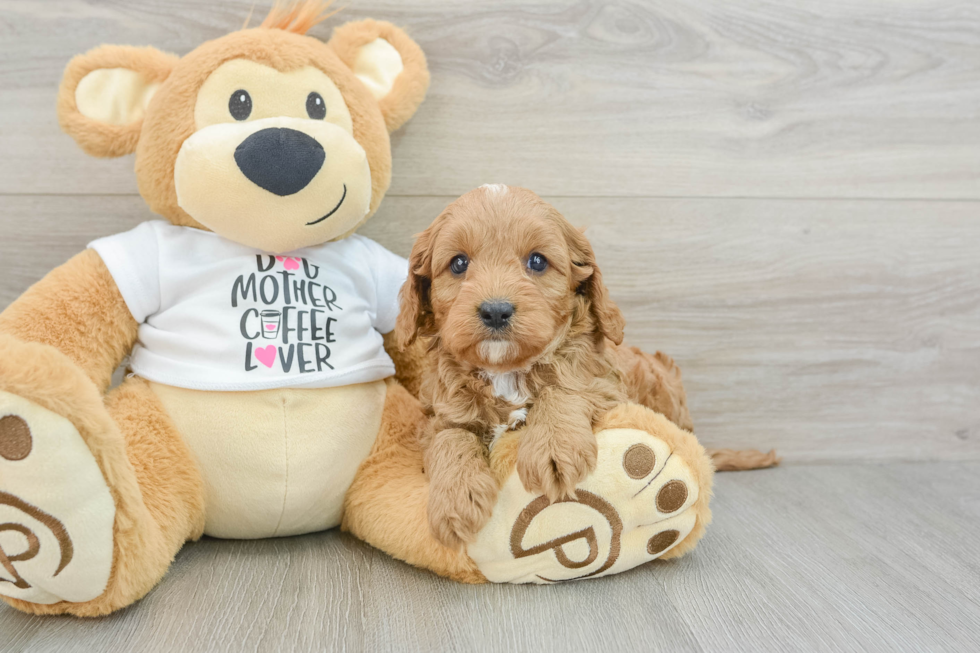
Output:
(270, 324)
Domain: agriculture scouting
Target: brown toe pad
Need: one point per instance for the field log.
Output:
(671, 496)
(15, 438)
(661, 542)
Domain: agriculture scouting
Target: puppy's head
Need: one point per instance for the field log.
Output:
(499, 276)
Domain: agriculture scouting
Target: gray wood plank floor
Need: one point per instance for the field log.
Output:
(834, 558)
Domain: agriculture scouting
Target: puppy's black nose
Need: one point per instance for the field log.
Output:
(282, 161)
(496, 314)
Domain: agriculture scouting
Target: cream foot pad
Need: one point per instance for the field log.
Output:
(56, 513)
(634, 508)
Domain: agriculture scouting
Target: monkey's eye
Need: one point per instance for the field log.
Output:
(316, 108)
(537, 263)
(240, 104)
(459, 264)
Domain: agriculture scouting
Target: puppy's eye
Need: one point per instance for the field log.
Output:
(240, 104)
(316, 108)
(459, 264)
(537, 263)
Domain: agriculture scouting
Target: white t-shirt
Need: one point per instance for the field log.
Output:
(216, 315)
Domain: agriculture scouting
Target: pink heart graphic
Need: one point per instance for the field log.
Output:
(289, 262)
(266, 355)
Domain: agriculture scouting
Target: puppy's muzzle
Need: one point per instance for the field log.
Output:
(496, 313)
(282, 161)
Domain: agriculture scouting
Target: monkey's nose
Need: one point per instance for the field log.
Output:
(280, 160)
(496, 313)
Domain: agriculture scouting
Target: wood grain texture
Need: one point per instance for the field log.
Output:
(831, 558)
(831, 330)
(776, 98)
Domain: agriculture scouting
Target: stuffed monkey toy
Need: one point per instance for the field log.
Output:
(262, 399)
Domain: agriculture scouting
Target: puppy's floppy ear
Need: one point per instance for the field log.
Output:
(609, 320)
(415, 317)
(388, 62)
(104, 94)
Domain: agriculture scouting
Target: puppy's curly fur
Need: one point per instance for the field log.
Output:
(554, 365)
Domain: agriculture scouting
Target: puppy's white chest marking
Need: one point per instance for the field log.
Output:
(515, 420)
(508, 386)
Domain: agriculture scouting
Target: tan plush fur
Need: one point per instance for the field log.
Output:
(59, 344)
(77, 309)
(172, 488)
(410, 87)
(155, 501)
(98, 138)
(554, 348)
(386, 505)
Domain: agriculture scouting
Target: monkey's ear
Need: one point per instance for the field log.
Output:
(104, 94)
(389, 63)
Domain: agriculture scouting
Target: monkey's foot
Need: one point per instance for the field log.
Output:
(56, 512)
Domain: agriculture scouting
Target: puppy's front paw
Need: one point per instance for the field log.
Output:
(461, 503)
(553, 463)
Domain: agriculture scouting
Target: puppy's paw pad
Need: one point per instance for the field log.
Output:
(56, 512)
(635, 507)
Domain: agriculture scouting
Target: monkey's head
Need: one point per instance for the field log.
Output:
(266, 136)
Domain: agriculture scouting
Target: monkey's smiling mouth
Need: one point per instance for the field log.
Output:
(332, 211)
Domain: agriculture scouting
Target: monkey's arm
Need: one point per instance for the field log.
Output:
(77, 309)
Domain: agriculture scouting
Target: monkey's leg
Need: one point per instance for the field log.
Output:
(97, 499)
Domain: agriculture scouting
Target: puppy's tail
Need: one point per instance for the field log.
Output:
(738, 460)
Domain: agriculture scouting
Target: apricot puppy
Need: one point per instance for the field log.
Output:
(512, 301)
